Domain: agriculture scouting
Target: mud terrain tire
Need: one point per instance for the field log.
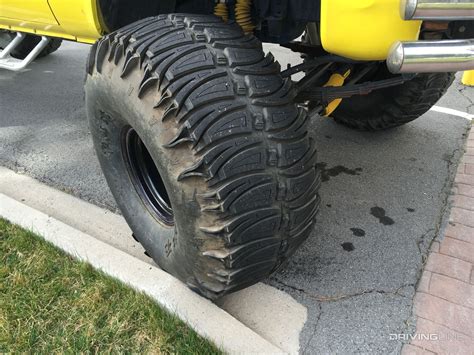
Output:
(395, 106)
(231, 149)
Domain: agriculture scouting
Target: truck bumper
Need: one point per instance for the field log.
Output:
(434, 56)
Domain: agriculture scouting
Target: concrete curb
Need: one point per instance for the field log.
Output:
(271, 313)
(203, 316)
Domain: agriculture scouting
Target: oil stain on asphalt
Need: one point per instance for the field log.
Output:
(379, 212)
(358, 232)
(326, 174)
(347, 246)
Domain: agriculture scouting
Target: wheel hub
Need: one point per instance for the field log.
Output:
(146, 177)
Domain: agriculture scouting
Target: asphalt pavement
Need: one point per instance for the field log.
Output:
(384, 198)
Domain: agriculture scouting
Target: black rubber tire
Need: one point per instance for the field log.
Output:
(27, 45)
(232, 148)
(395, 106)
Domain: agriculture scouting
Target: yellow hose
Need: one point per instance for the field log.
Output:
(243, 15)
(221, 11)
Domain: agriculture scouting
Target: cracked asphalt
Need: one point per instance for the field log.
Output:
(384, 197)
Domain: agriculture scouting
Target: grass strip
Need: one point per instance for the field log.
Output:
(52, 303)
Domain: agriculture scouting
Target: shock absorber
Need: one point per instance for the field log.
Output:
(221, 10)
(243, 15)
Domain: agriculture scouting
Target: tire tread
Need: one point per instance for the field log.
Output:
(402, 105)
(255, 162)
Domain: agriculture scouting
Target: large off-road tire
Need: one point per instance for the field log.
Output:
(395, 106)
(27, 45)
(203, 148)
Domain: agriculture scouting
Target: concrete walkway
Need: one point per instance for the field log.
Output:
(444, 302)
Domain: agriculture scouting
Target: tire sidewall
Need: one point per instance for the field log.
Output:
(231, 146)
(113, 108)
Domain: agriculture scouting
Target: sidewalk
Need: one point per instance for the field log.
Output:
(444, 302)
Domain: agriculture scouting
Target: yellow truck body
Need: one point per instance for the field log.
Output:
(76, 20)
(357, 29)
(364, 29)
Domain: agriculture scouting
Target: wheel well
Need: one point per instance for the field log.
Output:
(277, 21)
(119, 13)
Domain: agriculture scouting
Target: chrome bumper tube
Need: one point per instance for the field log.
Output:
(437, 10)
(431, 56)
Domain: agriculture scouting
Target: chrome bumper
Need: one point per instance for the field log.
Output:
(433, 56)
(443, 10)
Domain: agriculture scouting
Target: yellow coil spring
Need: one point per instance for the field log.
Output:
(221, 11)
(243, 15)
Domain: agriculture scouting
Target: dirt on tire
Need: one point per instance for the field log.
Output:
(233, 149)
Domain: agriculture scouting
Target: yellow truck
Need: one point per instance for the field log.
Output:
(202, 136)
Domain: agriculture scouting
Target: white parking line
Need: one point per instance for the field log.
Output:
(453, 112)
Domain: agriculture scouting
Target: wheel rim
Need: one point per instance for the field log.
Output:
(146, 178)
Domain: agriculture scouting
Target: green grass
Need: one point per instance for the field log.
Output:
(51, 303)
